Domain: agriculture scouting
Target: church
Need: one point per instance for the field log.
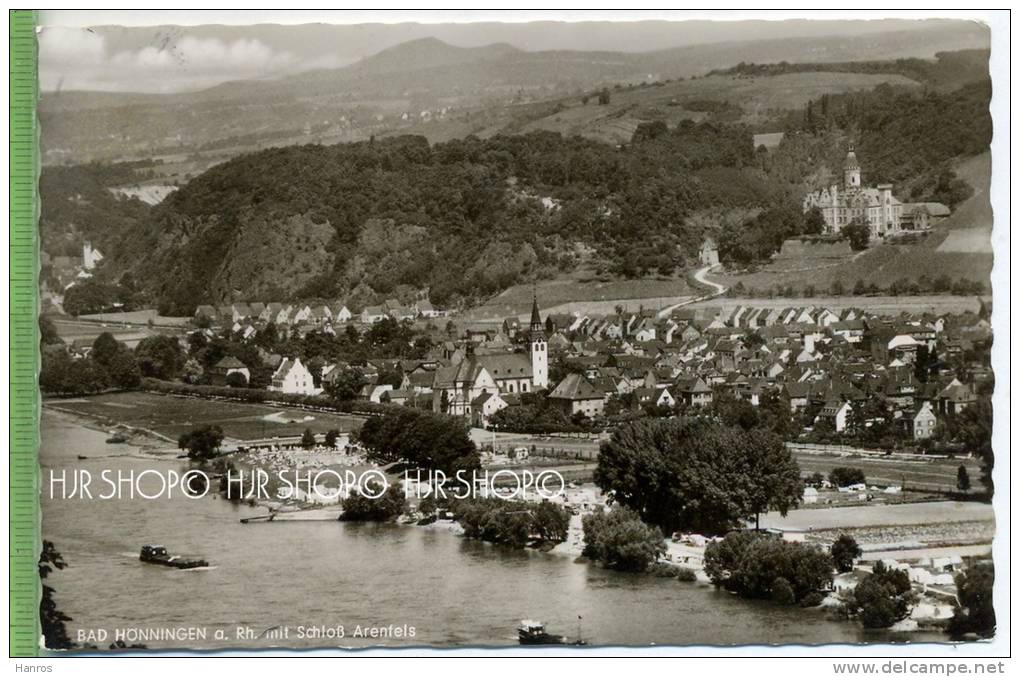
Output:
(460, 387)
(842, 205)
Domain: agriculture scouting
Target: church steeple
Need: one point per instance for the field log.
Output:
(536, 320)
(539, 349)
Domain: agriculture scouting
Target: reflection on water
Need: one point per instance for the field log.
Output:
(450, 590)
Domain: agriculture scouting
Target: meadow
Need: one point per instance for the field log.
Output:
(170, 415)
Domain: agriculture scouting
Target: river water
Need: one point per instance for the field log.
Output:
(382, 578)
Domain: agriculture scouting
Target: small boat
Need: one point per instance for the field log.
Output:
(258, 518)
(117, 438)
(534, 633)
(82, 457)
(157, 554)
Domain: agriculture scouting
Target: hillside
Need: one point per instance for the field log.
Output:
(959, 248)
(390, 90)
(469, 218)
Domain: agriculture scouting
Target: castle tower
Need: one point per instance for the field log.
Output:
(539, 350)
(851, 170)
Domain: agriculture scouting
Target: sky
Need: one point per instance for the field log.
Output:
(173, 51)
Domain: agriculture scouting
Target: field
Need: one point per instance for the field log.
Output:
(886, 515)
(170, 416)
(882, 305)
(616, 121)
(578, 293)
(882, 265)
(138, 317)
(70, 330)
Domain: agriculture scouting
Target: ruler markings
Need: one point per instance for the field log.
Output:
(23, 293)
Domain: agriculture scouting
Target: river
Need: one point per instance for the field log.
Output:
(451, 591)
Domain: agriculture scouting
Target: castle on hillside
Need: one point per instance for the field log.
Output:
(840, 206)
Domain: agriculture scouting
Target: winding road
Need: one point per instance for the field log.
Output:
(700, 275)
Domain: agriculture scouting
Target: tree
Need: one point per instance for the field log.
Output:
(962, 478)
(752, 564)
(976, 613)
(332, 435)
(202, 443)
(697, 474)
(814, 222)
(771, 476)
(883, 597)
(647, 131)
(844, 551)
(844, 477)
(345, 385)
(307, 439)
(192, 371)
(858, 233)
(513, 523)
(48, 335)
(550, 522)
(122, 368)
(236, 379)
(973, 429)
(620, 540)
(104, 348)
(159, 356)
(63, 375)
(375, 504)
(421, 438)
(51, 619)
(604, 96)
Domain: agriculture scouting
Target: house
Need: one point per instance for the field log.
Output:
(576, 395)
(850, 330)
(693, 391)
(709, 254)
(205, 313)
(924, 422)
(955, 397)
(654, 397)
(227, 366)
(374, 392)
(401, 313)
(426, 309)
(271, 312)
(342, 314)
(484, 407)
(836, 413)
(373, 314)
(240, 311)
(293, 378)
(922, 215)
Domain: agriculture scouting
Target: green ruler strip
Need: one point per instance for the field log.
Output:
(24, 358)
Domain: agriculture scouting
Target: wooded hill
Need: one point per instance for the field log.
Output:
(470, 217)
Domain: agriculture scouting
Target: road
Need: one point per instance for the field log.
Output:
(700, 275)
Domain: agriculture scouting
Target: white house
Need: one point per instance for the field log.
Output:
(342, 314)
(924, 422)
(293, 378)
(836, 412)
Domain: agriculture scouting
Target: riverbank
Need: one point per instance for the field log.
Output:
(374, 574)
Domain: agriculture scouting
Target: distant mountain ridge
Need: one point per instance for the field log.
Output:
(428, 53)
(369, 97)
